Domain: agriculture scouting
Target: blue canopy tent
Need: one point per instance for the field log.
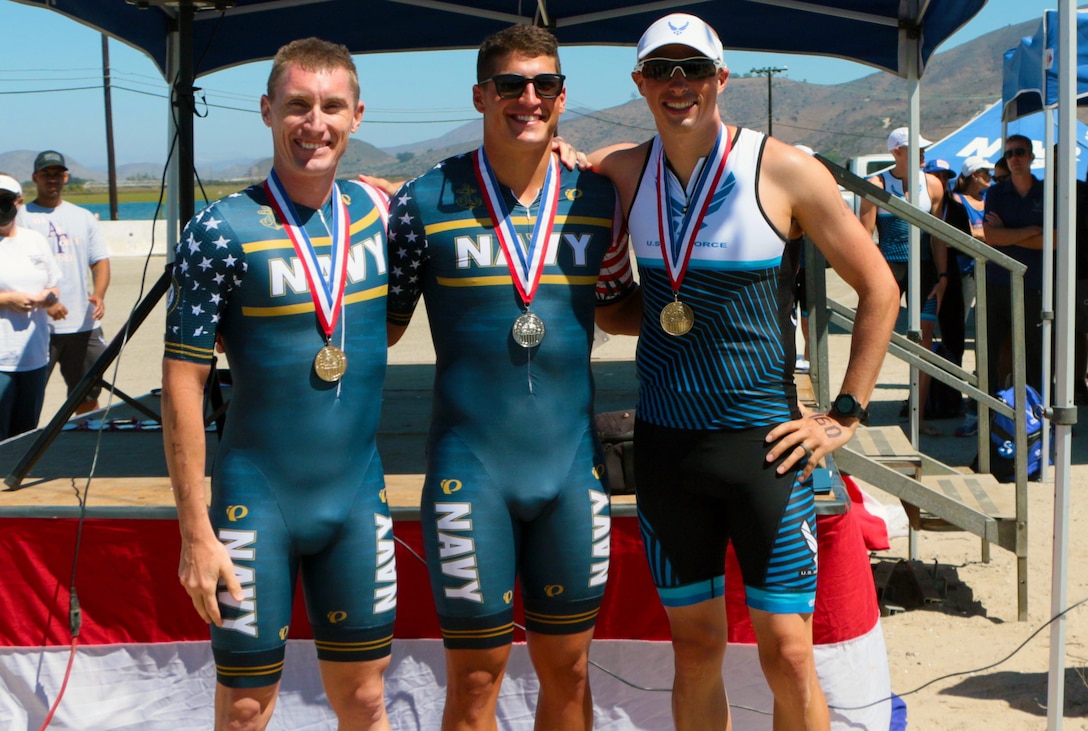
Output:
(1049, 71)
(983, 136)
(880, 33)
(187, 38)
(1030, 78)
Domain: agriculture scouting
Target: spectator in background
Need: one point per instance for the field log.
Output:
(1001, 170)
(1014, 223)
(941, 282)
(28, 297)
(969, 192)
(942, 170)
(77, 243)
(893, 240)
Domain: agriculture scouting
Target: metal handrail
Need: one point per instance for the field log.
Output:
(824, 311)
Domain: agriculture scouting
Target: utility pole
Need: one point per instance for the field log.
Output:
(769, 71)
(111, 165)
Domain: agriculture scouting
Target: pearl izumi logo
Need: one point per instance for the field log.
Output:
(236, 512)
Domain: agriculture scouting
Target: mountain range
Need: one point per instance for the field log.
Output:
(839, 121)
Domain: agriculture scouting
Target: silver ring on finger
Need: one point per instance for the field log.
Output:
(808, 452)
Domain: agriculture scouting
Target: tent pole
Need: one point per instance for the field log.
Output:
(1050, 170)
(914, 269)
(1065, 414)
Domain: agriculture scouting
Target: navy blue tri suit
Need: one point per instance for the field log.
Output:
(514, 481)
(297, 482)
(708, 398)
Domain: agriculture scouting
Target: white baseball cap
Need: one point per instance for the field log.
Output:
(685, 30)
(973, 164)
(900, 137)
(11, 185)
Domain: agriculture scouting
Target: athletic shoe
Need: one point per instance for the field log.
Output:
(802, 365)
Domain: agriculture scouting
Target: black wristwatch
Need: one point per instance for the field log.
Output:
(846, 404)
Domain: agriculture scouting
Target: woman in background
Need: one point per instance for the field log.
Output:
(28, 285)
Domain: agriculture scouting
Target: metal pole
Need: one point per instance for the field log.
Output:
(110, 159)
(1064, 412)
(770, 71)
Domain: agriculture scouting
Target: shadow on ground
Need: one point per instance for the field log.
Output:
(1026, 692)
(903, 585)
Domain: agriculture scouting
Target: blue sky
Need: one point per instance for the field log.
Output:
(51, 95)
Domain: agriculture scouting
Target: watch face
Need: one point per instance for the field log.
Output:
(846, 405)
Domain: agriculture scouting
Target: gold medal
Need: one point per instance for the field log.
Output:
(330, 364)
(677, 318)
(528, 330)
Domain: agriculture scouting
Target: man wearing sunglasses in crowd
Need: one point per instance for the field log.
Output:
(515, 257)
(1014, 224)
(716, 215)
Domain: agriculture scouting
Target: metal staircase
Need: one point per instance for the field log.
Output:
(935, 495)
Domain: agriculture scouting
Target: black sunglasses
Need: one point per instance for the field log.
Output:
(1017, 152)
(512, 86)
(662, 69)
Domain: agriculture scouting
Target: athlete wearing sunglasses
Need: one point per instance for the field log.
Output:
(512, 86)
(512, 328)
(695, 68)
(716, 214)
(1014, 223)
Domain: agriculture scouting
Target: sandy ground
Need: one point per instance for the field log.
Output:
(947, 658)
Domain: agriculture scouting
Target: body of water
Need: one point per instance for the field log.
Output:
(133, 211)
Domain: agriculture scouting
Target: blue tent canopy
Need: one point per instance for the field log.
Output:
(1030, 79)
(982, 137)
(874, 32)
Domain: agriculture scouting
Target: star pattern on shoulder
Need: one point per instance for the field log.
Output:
(207, 269)
(411, 247)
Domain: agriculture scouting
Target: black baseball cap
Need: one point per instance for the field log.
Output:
(49, 159)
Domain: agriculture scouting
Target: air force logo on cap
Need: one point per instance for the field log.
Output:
(682, 29)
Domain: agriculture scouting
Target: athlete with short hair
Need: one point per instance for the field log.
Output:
(515, 257)
(716, 215)
(291, 275)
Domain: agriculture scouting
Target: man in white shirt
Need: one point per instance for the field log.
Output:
(79, 248)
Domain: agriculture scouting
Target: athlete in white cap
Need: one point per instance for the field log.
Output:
(716, 215)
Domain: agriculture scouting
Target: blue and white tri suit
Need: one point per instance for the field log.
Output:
(708, 398)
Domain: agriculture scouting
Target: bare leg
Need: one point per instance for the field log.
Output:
(698, 641)
(244, 709)
(473, 680)
(562, 665)
(356, 693)
(785, 652)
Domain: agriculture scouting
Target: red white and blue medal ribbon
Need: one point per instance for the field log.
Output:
(528, 329)
(677, 245)
(526, 263)
(327, 292)
(677, 318)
